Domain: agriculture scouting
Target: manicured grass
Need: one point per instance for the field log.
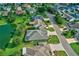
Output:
(2, 22)
(53, 39)
(13, 51)
(75, 47)
(60, 53)
(21, 19)
(50, 29)
(5, 34)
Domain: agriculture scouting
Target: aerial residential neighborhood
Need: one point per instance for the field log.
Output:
(39, 29)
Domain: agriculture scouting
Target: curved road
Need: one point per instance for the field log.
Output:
(62, 39)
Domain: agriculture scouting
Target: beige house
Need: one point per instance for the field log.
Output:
(37, 21)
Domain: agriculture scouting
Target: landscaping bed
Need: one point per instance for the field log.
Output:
(50, 29)
(60, 53)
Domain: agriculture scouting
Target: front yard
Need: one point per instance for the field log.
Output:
(60, 53)
(75, 47)
(53, 39)
(69, 34)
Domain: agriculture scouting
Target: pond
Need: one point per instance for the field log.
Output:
(5, 34)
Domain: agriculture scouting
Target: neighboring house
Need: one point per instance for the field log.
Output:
(77, 36)
(36, 51)
(5, 13)
(30, 10)
(73, 25)
(75, 15)
(37, 21)
(19, 11)
(36, 35)
(69, 12)
(68, 17)
(26, 5)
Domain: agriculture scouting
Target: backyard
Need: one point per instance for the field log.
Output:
(13, 40)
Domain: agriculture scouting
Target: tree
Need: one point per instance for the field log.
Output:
(16, 40)
(59, 19)
(41, 9)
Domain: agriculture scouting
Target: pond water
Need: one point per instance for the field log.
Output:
(5, 34)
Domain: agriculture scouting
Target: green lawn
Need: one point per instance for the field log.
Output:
(69, 34)
(16, 51)
(2, 22)
(75, 47)
(50, 29)
(21, 19)
(60, 53)
(53, 39)
(5, 34)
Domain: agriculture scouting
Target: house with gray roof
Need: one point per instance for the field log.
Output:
(36, 35)
(77, 36)
(37, 21)
(30, 10)
(73, 25)
(36, 51)
(37, 17)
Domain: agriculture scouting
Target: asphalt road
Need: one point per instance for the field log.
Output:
(62, 39)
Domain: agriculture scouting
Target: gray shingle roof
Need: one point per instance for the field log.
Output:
(36, 35)
(73, 25)
(38, 17)
(36, 51)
